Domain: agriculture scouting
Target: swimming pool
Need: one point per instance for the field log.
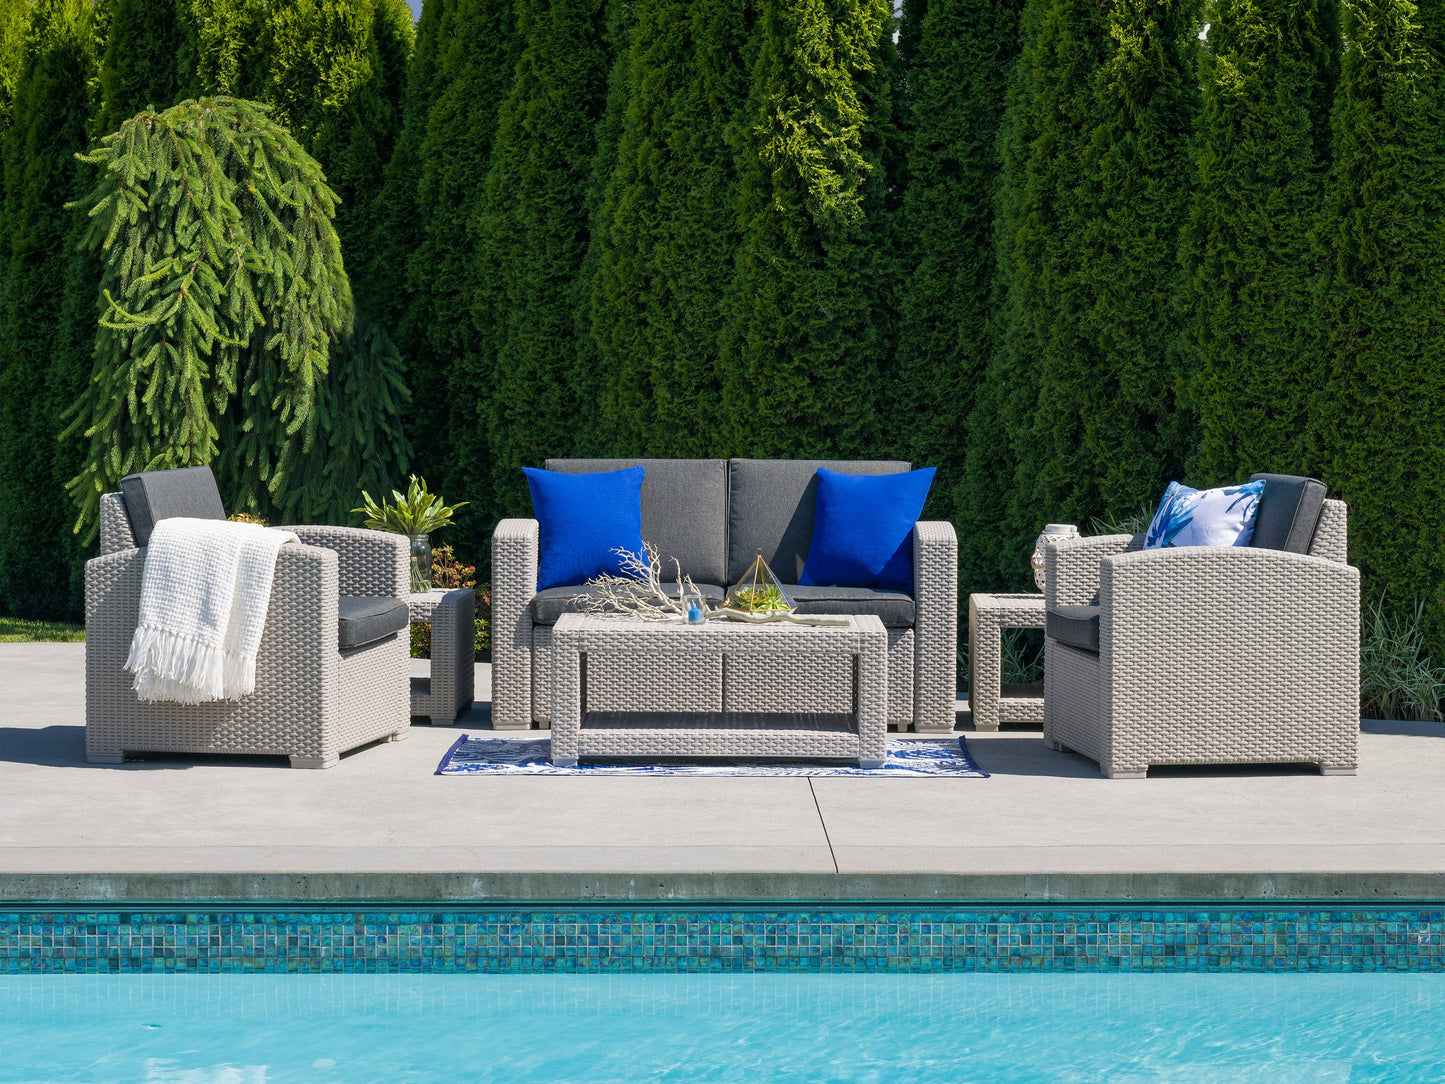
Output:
(280, 1028)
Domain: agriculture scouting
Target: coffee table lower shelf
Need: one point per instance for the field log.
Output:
(724, 734)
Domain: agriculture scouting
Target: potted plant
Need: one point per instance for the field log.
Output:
(416, 514)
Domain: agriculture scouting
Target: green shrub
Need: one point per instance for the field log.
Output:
(1397, 678)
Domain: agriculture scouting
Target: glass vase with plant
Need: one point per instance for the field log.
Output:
(416, 514)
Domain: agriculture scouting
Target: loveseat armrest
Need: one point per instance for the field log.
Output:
(374, 563)
(935, 624)
(1071, 566)
(514, 582)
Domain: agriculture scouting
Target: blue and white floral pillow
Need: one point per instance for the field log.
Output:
(1204, 517)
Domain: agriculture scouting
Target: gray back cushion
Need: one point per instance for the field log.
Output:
(186, 492)
(770, 510)
(684, 510)
(1289, 512)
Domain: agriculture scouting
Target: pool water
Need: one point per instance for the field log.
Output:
(272, 1029)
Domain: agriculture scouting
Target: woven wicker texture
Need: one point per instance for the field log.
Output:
(522, 661)
(576, 635)
(115, 533)
(311, 703)
(1071, 566)
(1214, 655)
(514, 582)
(988, 616)
(450, 689)
(1331, 539)
(935, 628)
(375, 563)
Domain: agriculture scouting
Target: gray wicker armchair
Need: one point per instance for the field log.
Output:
(332, 669)
(1207, 655)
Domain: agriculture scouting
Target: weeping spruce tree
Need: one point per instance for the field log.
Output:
(1262, 154)
(532, 238)
(225, 290)
(38, 175)
(1378, 420)
(957, 82)
(666, 230)
(810, 302)
(1049, 107)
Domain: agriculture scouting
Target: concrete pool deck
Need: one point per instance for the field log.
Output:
(1046, 828)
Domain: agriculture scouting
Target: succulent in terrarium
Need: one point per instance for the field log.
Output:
(758, 596)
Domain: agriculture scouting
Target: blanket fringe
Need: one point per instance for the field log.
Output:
(183, 669)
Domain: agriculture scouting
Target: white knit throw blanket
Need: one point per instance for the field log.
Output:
(203, 600)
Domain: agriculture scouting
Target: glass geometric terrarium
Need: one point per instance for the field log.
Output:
(758, 596)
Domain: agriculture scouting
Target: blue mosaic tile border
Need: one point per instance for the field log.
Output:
(701, 940)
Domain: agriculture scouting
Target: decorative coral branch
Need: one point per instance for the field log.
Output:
(639, 593)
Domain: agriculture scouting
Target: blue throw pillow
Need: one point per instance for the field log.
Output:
(583, 520)
(863, 529)
(1204, 517)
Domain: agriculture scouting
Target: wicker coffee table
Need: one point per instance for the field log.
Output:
(860, 735)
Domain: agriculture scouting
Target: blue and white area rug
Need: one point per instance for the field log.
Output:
(533, 756)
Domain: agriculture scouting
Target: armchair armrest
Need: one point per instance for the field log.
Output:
(935, 625)
(374, 563)
(514, 582)
(1231, 624)
(301, 625)
(1071, 566)
(115, 533)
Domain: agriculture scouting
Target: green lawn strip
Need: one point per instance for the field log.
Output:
(21, 630)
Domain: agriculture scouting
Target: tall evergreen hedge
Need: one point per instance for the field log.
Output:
(14, 25)
(811, 302)
(1262, 152)
(1108, 433)
(532, 235)
(1049, 112)
(957, 80)
(666, 229)
(475, 54)
(52, 106)
(1378, 418)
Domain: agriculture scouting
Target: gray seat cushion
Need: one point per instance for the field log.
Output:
(684, 509)
(549, 605)
(893, 608)
(1077, 626)
(771, 503)
(362, 619)
(1289, 512)
(186, 492)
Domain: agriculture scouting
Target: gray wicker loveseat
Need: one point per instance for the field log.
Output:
(332, 669)
(1208, 654)
(715, 516)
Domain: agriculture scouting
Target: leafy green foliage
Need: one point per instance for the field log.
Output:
(1377, 420)
(810, 303)
(38, 173)
(957, 82)
(14, 25)
(19, 630)
(1397, 678)
(531, 233)
(417, 511)
(225, 288)
(1262, 154)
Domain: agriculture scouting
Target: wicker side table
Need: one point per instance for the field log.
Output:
(449, 690)
(988, 616)
(858, 735)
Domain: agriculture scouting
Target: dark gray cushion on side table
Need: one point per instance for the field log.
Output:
(552, 603)
(771, 504)
(894, 608)
(1077, 626)
(362, 619)
(684, 509)
(186, 492)
(1289, 512)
